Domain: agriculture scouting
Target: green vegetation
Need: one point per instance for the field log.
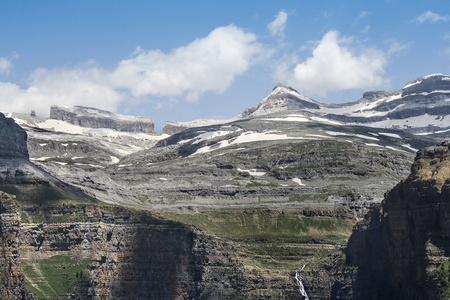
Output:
(257, 184)
(277, 241)
(53, 277)
(444, 277)
(315, 198)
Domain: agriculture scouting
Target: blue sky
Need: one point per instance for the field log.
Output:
(183, 60)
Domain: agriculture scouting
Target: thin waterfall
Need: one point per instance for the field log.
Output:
(298, 279)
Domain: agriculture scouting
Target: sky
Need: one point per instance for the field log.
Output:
(185, 60)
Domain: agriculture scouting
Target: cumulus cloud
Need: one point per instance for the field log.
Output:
(276, 27)
(5, 65)
(334, 66)
(207, 64)
(431, 17)
(83, 86)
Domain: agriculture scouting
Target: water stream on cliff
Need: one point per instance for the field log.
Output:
(298, 279)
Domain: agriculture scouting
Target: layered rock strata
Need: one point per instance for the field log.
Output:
(97, 118)
(135, 256)
(12, 282)
(401, 251)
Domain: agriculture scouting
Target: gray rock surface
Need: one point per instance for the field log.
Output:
(13, 139)
(96, 118)
(291, 159)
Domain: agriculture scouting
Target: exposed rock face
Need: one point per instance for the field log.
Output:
(399, 247)
(133, 254)
(12, 283)
(96, 118)
(13, 139)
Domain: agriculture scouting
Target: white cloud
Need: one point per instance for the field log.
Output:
(432, 17)
(396, 47)
(276, 27)
(83, 86)
(362, 15)
(5, 65)
(334, 66)
(207, 64)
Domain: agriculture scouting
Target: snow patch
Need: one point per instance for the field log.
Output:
(298, 181)
(248, 137)
(361, 136)
(408, 146)
(252, 172)
(394, 135)
(318, 119)
(374, 145)
(290, 118)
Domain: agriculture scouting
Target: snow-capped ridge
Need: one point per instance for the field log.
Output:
(281, 98)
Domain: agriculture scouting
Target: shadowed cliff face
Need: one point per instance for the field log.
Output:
(13, 139)
(402, 248)
(12, 284)
(134, 255)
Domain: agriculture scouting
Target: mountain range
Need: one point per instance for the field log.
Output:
(253, 207)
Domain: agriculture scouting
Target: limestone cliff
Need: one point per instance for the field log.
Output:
(402, 250)
(134, 255)
(97, 118)
(13, 139)
(12, 283)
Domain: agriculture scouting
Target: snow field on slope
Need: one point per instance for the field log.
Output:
(302, 118)
(62, 126)
(249, 137)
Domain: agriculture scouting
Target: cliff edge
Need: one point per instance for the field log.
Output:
(402, 249)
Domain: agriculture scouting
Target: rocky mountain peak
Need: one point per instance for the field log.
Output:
(281, 86)
(282, 98)
(13, 139)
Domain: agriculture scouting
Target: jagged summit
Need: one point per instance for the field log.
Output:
(282, 98)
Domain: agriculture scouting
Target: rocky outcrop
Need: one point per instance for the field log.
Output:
(13, 139)
(96, 118)
(12, 282)
(401, 251)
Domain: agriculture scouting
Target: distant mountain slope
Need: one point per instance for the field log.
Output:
(421, 106)
(287, 159)
(20, 177)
